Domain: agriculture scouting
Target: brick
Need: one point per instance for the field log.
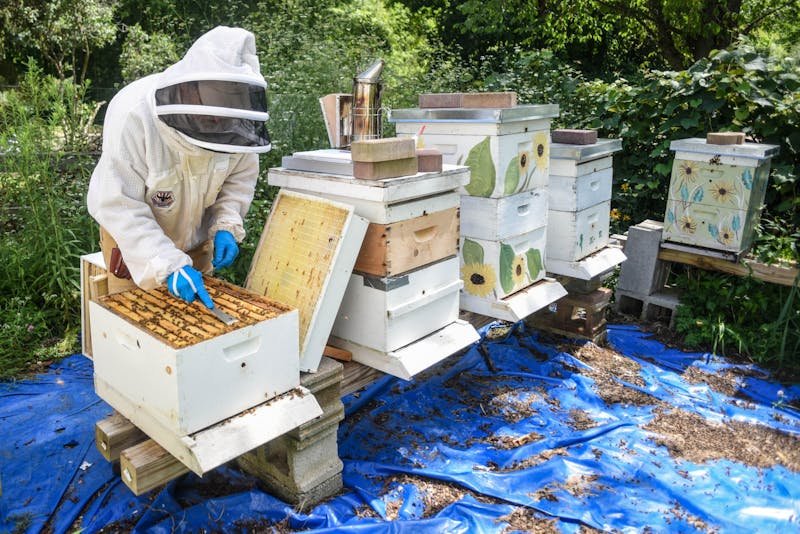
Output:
(574, 137)
(725, 138)
(378, 170)
(489, 100)
(376, 150)
(440, 100)
(429, 160)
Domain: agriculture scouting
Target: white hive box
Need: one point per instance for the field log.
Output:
(573, 235)
(494, 269)
(416, 304)
(304, 259)
(716, 193)
(501, 218)
(506, 149)
(181, 365)
(580, 192)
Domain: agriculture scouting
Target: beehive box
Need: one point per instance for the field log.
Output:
(501, 218)
(183, 366)
(581, 175)
(395, 248)
(389, 312)
(716, 193)
(493, 269)
(573, 235)
(506, 149)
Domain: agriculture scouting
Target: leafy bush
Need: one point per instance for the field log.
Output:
(42, 215)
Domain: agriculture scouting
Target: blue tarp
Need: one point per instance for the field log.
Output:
(513, 430)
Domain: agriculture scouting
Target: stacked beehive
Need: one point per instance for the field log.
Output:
(716, 191)
(504, 205)
(581, 176)
(400, 309)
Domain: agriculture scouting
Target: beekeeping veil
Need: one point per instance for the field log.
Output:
(216, 97)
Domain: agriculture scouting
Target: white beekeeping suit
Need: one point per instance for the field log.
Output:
(179, 160)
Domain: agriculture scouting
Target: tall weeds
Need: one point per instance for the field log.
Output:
(44, 166)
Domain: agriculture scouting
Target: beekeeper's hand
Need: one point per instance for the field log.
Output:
(187, 283)
(225, 249)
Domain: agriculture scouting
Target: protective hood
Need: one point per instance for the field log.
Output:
(216, 97)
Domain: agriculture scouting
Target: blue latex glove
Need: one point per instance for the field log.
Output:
(225, 249)
(187, 283)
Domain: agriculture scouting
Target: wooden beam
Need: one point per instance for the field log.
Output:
(773, 274)
(115, 434)
(356, 376)
(148, 465)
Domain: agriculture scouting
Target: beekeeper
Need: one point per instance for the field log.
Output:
(179, 166)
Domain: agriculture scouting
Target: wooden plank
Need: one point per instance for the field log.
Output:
(399, 247)
(94, 284)
(148, 465)
(115, 434)
(337, 354)
(773, 274)
(357, 376)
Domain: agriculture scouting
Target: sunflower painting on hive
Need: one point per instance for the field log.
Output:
(479, 277)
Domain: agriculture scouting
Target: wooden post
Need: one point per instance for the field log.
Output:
(115, 434)
(148, 465)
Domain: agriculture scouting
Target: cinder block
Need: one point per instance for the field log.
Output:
(574, 137)
(429, 160)
(388, 149)
(659, 306)
(506, 99)
(440, 100)
(378, 170)
(725, 138)
(643, 273)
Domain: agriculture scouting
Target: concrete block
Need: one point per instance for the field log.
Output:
(388, 149)
(440, 100)
(378, 170)
(574, 137)
(659, 306)
(725, 138)
(507, 99)
(643, 273)
(429, 160)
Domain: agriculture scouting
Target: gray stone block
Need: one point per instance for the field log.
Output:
(643, 273)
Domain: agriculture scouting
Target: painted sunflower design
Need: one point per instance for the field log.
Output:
(479, 278)
(524, 163)
(518, 270)
(688, 225)
(687, 170)
(726, 235)
(722, 192)
(541, 149)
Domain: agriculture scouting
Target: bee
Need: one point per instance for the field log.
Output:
(715, 160)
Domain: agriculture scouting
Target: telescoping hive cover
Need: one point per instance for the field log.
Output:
(304, 259)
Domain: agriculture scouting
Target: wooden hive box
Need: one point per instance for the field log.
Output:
(507, 149)
(504, 217)
(184, 367)
(572, 235)
(716, 193)
(387, 313)
(493, 269)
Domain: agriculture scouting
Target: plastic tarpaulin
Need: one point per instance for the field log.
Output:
(513, 433)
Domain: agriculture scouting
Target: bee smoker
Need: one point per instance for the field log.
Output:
(366, 112)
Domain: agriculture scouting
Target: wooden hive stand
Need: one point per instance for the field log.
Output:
(580, 314)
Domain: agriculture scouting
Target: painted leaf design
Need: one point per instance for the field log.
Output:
(482, 173)
(512, 176)
(747, 179)
(472, 252)
(670, 216)
(698, 195)
(506, 267)
(736, 223)
(535, 265)
(713, 230)
(684, 193)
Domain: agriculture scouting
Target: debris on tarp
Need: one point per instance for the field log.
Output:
(520, 433)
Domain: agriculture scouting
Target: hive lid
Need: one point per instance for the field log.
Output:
(747, 150)
(581, 153)
(304, 259)
(475, 115)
